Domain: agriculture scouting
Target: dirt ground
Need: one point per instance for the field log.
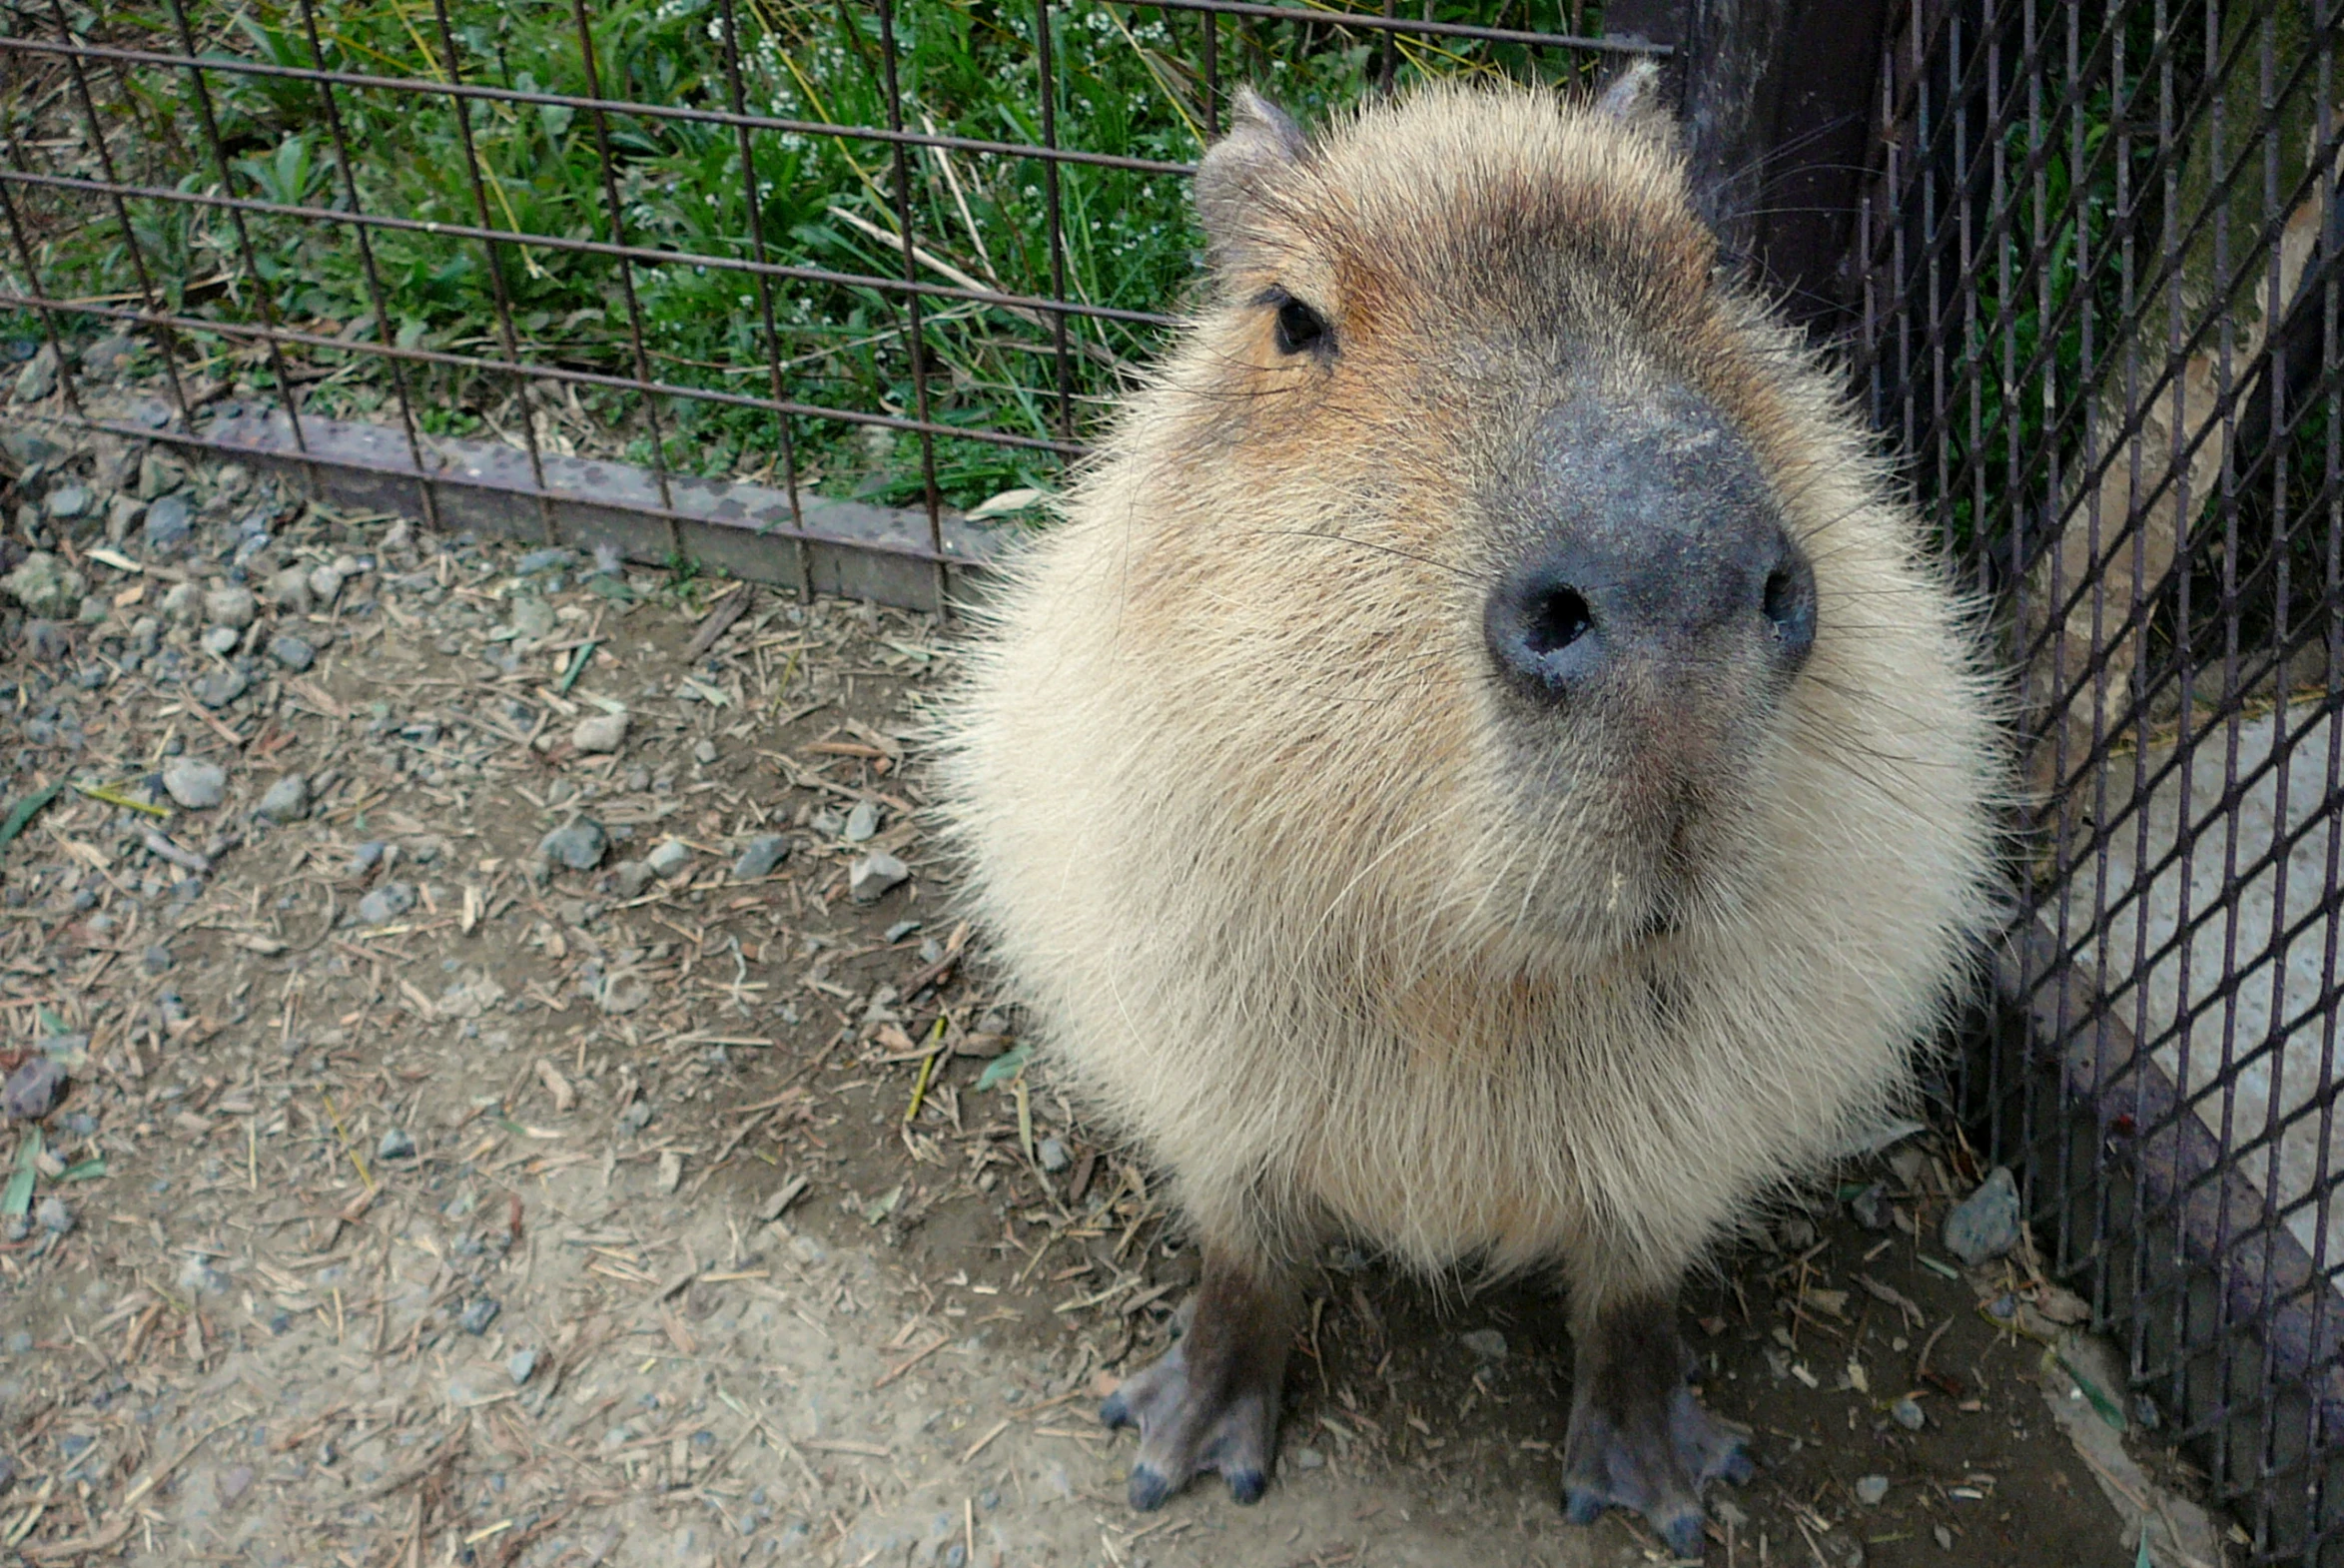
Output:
(411, 1202)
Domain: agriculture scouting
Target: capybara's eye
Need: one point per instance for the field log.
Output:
(1298, 328)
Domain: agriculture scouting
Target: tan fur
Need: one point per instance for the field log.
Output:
(1228, 779)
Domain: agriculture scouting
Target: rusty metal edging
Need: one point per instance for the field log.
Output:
(744, 530)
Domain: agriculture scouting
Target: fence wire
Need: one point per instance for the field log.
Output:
(2100, 313)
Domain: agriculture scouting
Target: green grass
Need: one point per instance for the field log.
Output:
(1126, 82)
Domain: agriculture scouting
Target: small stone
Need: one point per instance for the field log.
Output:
(195, 784)
(1053, 1155)
(1985, 1225)
(46, 586)
(183, 602)
(288, 590)
(68, 502)
(395, 1144)
(1309, 1460)
(38, 379)
(170, 523)
(54, 1216)
(872, 877)
(599, 733)
(904, 928)
(237, 1482)
(230, 605)
(552, 559)
(47, 641)
(671, 1170)
(520, 1366)
(197, 1277)
(703, 751)
(669, 859)
(1870, 1489)
(765, 852)
(221, 641)
(294, 653)
(122, 516)
(93, 611)
(863, 823)
(33, 1090)
(629, 878)
(287, 799)
(1870, 1205)
(533, 618)
(621, 995)
(324, 585)
(1943, 1536)
(385, 904)
(221, 687)
(1906, 1412)
(1487, 1345)
(157, 959)
(578, 844)
(475, 1318)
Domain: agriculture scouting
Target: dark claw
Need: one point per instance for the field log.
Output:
(1581, 1506)
(1149, 1489)
(1115, 1412)
(1683, 1533)
(1247, 1486)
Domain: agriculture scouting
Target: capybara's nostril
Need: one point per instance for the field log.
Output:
(1541, 632)
(1789, 605)
(1559, 618)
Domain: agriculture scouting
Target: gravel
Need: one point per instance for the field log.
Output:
(871, 878)
(1985, 1225)
(670, 859)
(170, 522)
(194, 784)
(33, 1090)
(229, 605)
(580, 845)
(763, 854)
(601, 733)
(385, 904)
(287, 799)
(294, 653)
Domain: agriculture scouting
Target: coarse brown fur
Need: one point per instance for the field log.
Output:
(1257, 838)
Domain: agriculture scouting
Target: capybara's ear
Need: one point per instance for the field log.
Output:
(1636, 97)
(1241, 169)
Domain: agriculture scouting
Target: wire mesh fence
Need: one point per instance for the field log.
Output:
(903, 251)
(2101, 315)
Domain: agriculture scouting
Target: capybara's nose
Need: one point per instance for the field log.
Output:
(1643, 543)
(1576, 612)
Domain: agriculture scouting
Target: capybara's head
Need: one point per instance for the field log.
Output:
(1534, 569)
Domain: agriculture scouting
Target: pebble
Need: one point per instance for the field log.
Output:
(196, 785)
(385, 904)
(1906, 1412)
(46, 586)
(1985, 1225)
(237, 1482)
(38, 379)
(221, 641)
(703, 751)
(520, 1364)
(599, 733)
(872, 877)
(1943, 1536)
(1870, 1489)
(68, 500)
(288, 590)
(33, 1090)
(170, 523)
(669, 859)
(476, 1318)
(1309, 1460)
(294, 653)
(1870, 1205)
(552, 559)
(578, 844)
(325, 584)
(533, 618)
(182, 601)
(54, 1216)
(629, 878)
(47, 641)
(1487, 1345)
(1053, 1155)
(862, 822)
(197, 1277)
(157, 959)
(287, 799)
(765, 852)
(229, 605)
(221, 687)
(395, 1144)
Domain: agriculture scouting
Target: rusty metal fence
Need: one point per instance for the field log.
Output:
(2101, 312)
(790, 286)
